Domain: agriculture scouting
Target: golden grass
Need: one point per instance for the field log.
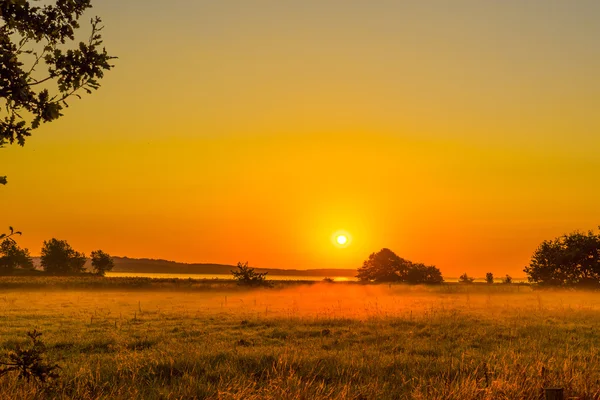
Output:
(339, 341)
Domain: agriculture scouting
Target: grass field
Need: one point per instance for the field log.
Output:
(334, 341)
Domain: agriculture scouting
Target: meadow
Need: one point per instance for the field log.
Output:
(214, 340)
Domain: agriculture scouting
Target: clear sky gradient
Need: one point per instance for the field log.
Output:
(456, 133)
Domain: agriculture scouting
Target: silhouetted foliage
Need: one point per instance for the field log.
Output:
(102, 262)
(59, 258)
(489, 278)
(386, 266)
(507, 279)
(247, 276)
(423, 274)
(30, 363)
(34, 52)
(569, 260)
(9, 235)
(464, 278)
(11, 255)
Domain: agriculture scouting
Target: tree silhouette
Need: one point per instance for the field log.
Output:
(247, 276)
(33, 38)
(569, 260)
(464, 278)
(11, 255)
(102, 262)
(423, 274)
(489, 278)
(58, 257)
(386, 266)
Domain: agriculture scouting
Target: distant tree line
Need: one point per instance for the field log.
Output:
(489, 278)
(57, 258)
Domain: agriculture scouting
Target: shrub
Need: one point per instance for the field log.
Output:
(246, 276)
(464, 278)
(30, 363)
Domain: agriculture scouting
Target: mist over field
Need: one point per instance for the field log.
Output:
(344, 341)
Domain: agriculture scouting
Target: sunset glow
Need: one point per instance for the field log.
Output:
(458, 135)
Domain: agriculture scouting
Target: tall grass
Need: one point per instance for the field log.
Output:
(309, 342)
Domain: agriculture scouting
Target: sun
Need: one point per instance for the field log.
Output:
(341, 239)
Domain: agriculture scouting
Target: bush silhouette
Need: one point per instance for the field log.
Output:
(29, 363)
(246, 276)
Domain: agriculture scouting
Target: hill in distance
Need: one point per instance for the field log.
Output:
(145, 265)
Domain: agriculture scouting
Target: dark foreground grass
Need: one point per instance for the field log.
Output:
(95, 282)
(309, 342)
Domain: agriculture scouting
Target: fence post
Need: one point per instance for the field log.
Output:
(554, 393)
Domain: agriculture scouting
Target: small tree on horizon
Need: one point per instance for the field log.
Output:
(464, 278)
(507, 279)
(102, 262)
(489, 278)
(58, 257)
(247, 276)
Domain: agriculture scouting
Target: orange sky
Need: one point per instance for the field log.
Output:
(457, 135)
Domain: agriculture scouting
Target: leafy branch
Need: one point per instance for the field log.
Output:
(9, 235)
(75, 69)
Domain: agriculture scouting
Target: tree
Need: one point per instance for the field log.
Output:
(35, 38)
(569, 260)
(386, 266)
(11, 255)
(507, 279)
(246, 276)
(58, 257)
(423, 274)
(383, 266)
(464, 278)
(489, 278)
(102, 262)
